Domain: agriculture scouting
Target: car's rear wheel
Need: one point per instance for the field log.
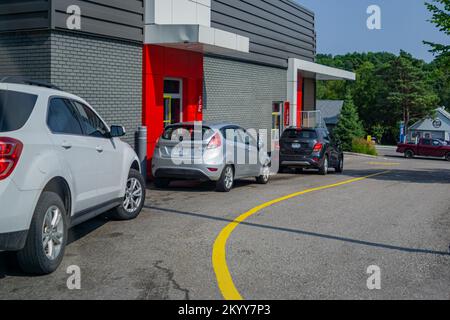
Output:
(134, 199)
(340, 166)
(265, 177)
(47, 237)
(323, 170)
(226, 181)
(447, 157)
(409, 154)
(162, 183)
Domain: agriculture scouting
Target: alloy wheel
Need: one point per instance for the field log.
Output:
(133, 195)
(229, 178)
(52, 233)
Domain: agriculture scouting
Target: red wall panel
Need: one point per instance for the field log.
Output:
(299, 99)
(160, 63)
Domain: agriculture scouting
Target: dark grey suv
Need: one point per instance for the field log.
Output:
(305, 148)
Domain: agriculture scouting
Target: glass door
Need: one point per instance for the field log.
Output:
(173, 105)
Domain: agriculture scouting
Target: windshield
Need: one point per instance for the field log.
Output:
(15, 109)
(186, 132)
(299, 134)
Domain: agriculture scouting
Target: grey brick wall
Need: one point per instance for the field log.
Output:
(242, 92)
(25, 54)
(107, 73)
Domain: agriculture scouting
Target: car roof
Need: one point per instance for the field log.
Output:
(38, 90)
(210, 124)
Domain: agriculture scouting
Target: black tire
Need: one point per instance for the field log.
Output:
(162, 183)
(409, 154)
(282, 169)
(298, 170)
(447, 157)
(135, 183)
(223, 185)
(323, 170)
(264, 178)
(340, 166)
(33, 258)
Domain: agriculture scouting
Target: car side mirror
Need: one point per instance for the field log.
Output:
(117, 131)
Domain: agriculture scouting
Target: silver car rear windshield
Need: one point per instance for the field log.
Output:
(187, 132)
(15, 109)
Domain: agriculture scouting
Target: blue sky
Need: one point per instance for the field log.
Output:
(341, 27)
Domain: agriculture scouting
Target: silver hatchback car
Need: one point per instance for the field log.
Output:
(219, 152)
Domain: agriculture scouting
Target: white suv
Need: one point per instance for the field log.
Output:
(60, 165)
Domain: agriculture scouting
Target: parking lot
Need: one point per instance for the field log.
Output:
(316, 244)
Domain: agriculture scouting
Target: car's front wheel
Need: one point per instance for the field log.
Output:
(265, 176)
(323, 170)
(47, 237)
(340, 166)
(134, 199)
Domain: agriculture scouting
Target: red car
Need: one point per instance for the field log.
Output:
(427, 148)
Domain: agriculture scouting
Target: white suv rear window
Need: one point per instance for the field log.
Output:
(15, 109)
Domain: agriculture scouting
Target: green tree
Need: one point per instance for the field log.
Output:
(409, 96)
(349, 126)
(440, 10)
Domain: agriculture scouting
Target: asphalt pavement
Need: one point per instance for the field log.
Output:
(315, 245)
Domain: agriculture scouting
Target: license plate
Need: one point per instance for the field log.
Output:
(296, 146)
(178, 152)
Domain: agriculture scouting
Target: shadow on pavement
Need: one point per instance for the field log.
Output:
(416, 158)
(430, 176)
(307, 233)
(8, 261)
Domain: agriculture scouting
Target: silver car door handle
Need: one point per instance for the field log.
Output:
(99, 149)
(66, 145)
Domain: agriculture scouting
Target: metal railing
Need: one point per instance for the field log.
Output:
(312, 119)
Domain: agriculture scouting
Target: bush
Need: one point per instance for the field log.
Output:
(363, 146)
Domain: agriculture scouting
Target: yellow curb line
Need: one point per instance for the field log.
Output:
(219, 260)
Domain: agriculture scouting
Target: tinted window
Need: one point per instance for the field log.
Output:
(172, 87)
(299, 134)
(92, 125)
(426, 142)
(15, 109)
(62, 117)
(186, 131)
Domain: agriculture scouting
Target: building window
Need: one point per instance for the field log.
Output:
(277, 116)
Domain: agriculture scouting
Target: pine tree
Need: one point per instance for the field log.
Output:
(440, 10)
(349, 126)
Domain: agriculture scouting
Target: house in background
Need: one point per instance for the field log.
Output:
(330, 111)
(434, 128)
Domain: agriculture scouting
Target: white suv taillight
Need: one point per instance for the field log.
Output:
(10, 151)
(215, 142)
